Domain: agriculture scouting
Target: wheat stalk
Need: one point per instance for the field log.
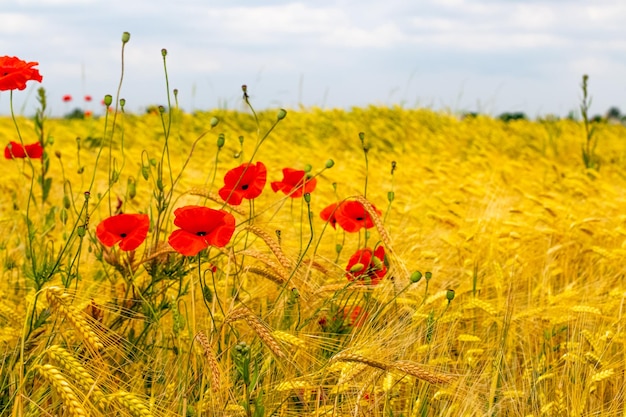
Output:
(259, 328)
(419, 372)
(211, 359)
(56, 297)
(60, 384)
(408, 367)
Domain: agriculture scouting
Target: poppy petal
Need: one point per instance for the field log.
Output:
(186, 243)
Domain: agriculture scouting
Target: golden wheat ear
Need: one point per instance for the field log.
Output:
(255, 323)
(216, 374)
(57, 299)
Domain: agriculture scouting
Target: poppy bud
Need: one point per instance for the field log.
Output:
(307, 197)
(282, 113)
(132, 188)
(57, 154)
(80, 231)
(63, 216)
(108, 99)
(214, 121)
(161, 109)
(145, 171)
(164, 52)
(220, 141)
(338, 247)
(450, 295)
(416, 277)
(66, 202)
(377, 263)
(125, 37)
(308, 168)
(428, 275)
(362, 137)
(393, 167)
(122, 102)
(357, 267)
(87, 195)
(80, 170)
(391, 196)
(175, 91)
(160, 184)
(330, 163)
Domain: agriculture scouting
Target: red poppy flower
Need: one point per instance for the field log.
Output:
(128, 229)
(87, 97)
(328, 214)
(366, 266)
(14, 73)
(245, 181)
(88, 113)
(200, 227)
(67, 98)
(356, 316)
(351, 216)
(295, 183)
(16, 150)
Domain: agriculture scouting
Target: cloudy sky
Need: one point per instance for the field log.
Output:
(458, 55)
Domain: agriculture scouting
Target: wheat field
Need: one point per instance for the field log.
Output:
(504, 259)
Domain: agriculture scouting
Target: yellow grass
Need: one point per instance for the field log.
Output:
(505, 214)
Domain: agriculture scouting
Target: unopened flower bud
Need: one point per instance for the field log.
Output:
(307, 197)
(416, 277)
(338, 247)
(308, 168)
(214, 121)
(220, 141)
(357, 267)
(67, 203)
(391, 196)
(330, 163)
(282, 113)
(57, 154)
(164, 52)
(428, 275)
(450, 295)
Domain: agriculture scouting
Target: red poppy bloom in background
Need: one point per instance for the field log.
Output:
(366, 266)
(200, 227)
(14, 73)
(356, 315)
(295, 183)
(16, 150)
(130, 230)
(87, 97)
(245, 181)
(67, 98)
(351, 216)
(328, 214)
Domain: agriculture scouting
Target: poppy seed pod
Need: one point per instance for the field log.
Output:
(164, 52)
(330, 163)
(220, 141)
(125, 37)
(108, 99)
(214, 121)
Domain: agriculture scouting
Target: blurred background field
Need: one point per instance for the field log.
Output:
(503, 213)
